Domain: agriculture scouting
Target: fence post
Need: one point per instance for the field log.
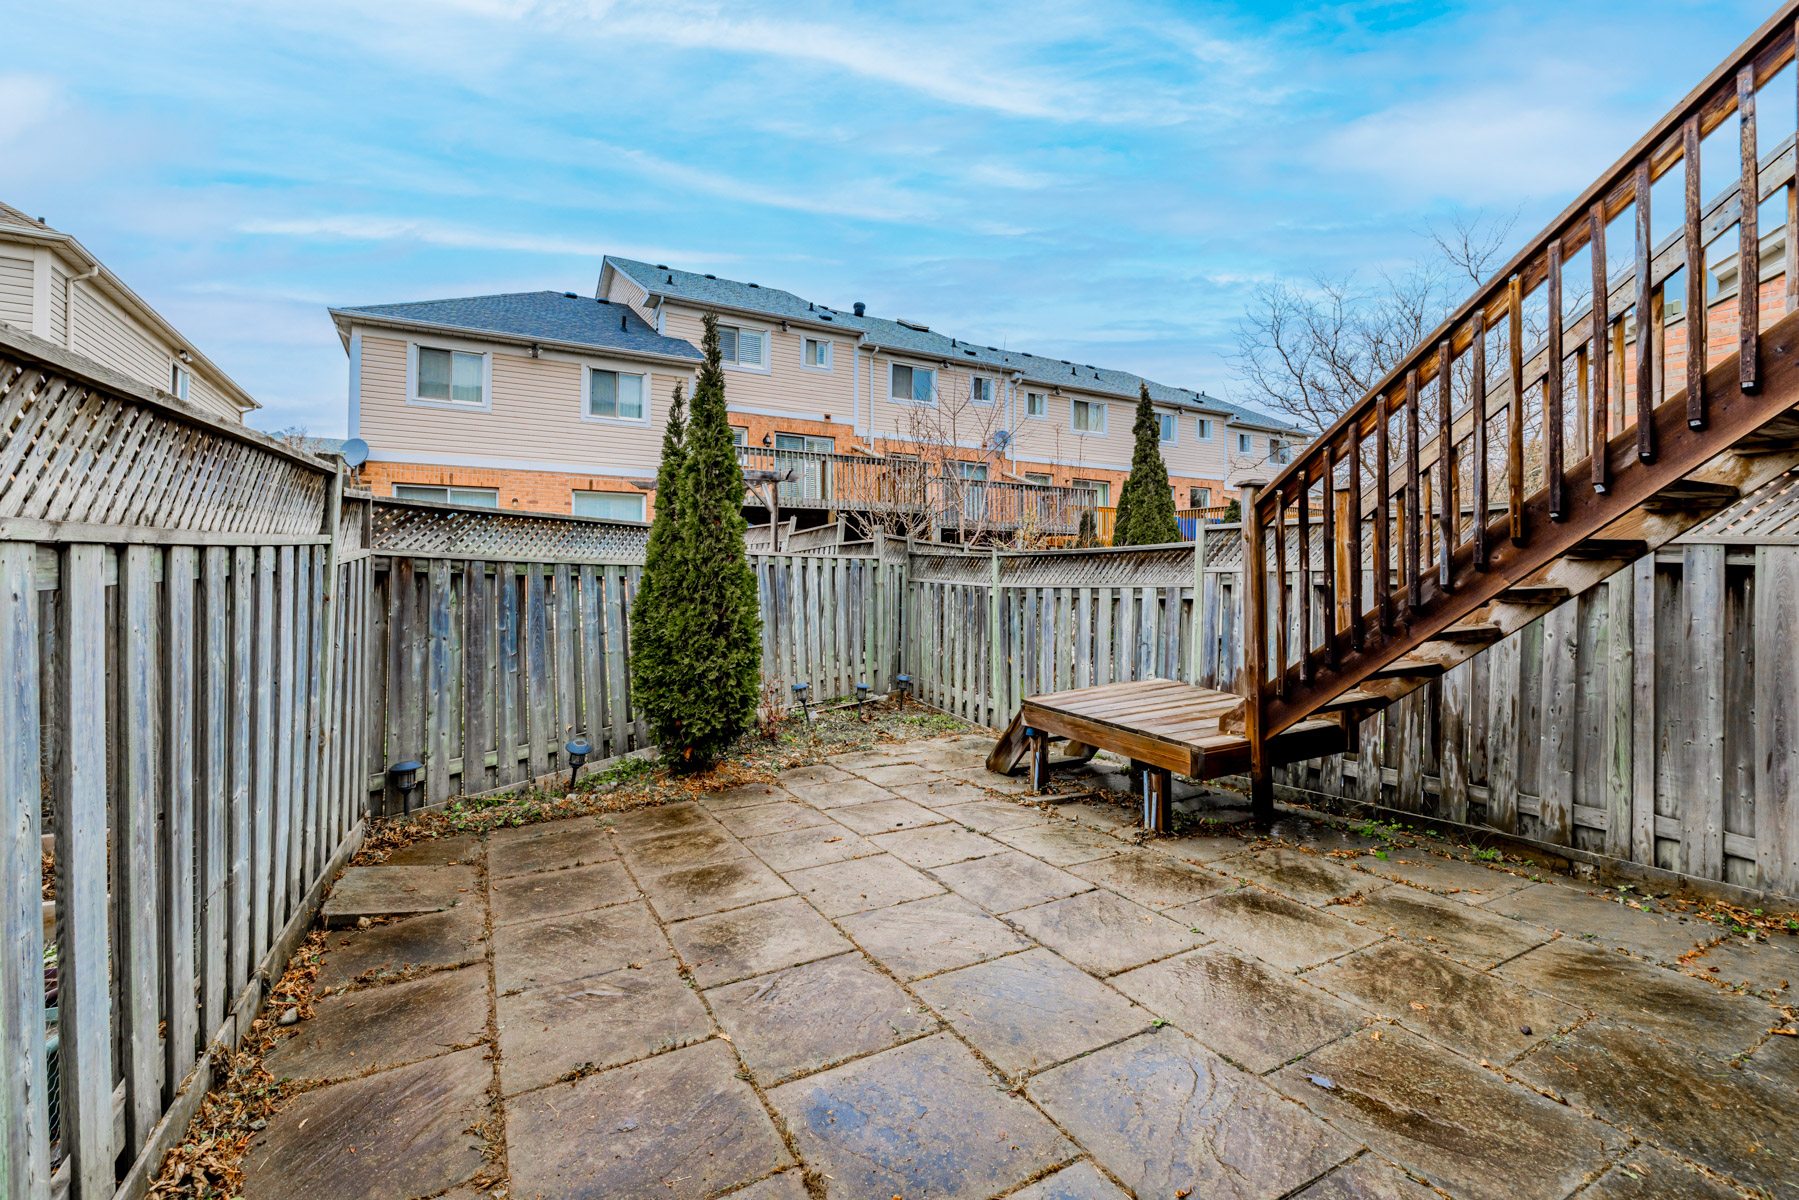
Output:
(1195, 651)
(995, 698)
(1255, 651)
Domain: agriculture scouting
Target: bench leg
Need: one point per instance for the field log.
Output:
(1039, 741)
(1261, 795)
(1158, 787)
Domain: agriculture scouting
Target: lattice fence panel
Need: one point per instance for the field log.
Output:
(431, 530)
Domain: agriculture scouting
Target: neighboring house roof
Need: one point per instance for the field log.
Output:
(711, 291)
(15, 224)
(561, 317)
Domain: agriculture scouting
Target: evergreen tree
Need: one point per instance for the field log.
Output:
(655, 677)
(1088, 532)
(1145, 514)
(715, 624)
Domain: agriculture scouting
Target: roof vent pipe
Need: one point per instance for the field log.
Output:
(623, 321)
(860, 308)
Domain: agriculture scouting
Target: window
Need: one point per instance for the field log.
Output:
(473, 497)
(1244, 445)
(1199, 497)
(1036, 404)
(980, 390)
(971, 470)
(1102, 491)
(1038, 478)
(614, 395)
(741, 347)
(914, 385)
(1279, 452)
(451, 376)
(1089, 417)
(1202, 429)
(816, 353)
(178, 381)
(1167, 420)
(610, 506)
(740, 435)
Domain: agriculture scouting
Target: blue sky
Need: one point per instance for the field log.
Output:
(1106, 182)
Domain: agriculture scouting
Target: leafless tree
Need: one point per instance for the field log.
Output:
(943, 454)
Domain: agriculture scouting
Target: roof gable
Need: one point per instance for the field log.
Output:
(545, 316)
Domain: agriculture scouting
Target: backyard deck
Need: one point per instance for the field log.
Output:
(892, 977)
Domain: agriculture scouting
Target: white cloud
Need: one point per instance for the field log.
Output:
(357, 227)
(26, 101)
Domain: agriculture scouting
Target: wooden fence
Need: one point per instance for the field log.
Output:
(181, 607)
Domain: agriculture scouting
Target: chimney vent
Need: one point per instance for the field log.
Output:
(860, 308)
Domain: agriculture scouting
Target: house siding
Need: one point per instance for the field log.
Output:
(786, 387)
(15, 291)
(59, 304)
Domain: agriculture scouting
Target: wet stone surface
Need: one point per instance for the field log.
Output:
(1470, 883)
(1308, 878)
(547, 847)
(596, 1022)
(992, 816)
(810, 847)
(750, 941)
(936, 845)
(1467, 934)
(1079, 1182)
(1102, 933)
(839, 889)
(805, 1018)
(1061, 843)
(561, 949)
(429, 940)
(558, 893)
(1656, 936)
(1166, 1115)
(1648, 1174)
(1246, 1010)
(1009, 880)
(379, 1027)
(885, 816)
(684, 848)
(1446, 1120)
(691, 891)
(1152, 879)
(437, 852)
(1275, 929)
(929, 936)
(840, 793)
(762, 819)
(1368, 1178)
(640, 824)
(1768, 969)
(923, 1119)
(398, 891)
(680, 1125)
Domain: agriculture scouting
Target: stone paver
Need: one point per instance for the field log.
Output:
(680, 1125)
(1079, 1182)
(839, 889)
(548, 847)
(1465, 933)
(1166, 1115)
(885, 816)
(1663, 1002)
(788, 1185)
(437, 939)
(558, 893)
(1029, 1011)
(923, 1119)
(749, 941)
(376, 1028)
(942, 792)
(694, 847)
(562, 949)
(1152, 879)
(1061, 843)
(1253, 1014)
(1369, 1177)
(1656, 936)
(1648, 1174)
(1471, 883)
(1446, 1120)
(1205, 849)
(437, 852)
(780, 817)
(1274, 928)
(810, 847)
(1108, 817)
(744, 796)
(892, 773)
(936, 845)
(992, 816)
(1479, 1014)
(1734, 1122)
(1002, 882)
(409, 1128)
(642, 823)
(398, 891)
(801, 1019)
(1770, 970)
(596, 1022)
(839, 793)
(691, 891)
(1308, 878)
(1103, 933)
(980, 776)
(925, 937)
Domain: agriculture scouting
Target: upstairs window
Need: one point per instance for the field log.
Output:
(740, 435)
(914, 385)
(1279, 452)
(472, 497)
(1244, 444)
(178, 379)
(1167, 421)
(614, 395)
(742, 347)
(1202, 428)
(1089, 417)
(816, 353)
(451, 376)
(980, 390)
(1036, 404)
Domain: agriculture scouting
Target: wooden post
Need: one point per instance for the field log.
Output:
(996, 690)
(1039, 741)
(1255, 654)
(1158, 785)
(1196, 650)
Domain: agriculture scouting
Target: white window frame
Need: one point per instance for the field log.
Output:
(643, 507)
(180, 380)
(448, 489)
(455, 346)
(1204, 429)
(992, 390)
(617, 369)
(907, 400)
(763, 368)
(1036, 416)
(1246, 443)
(1101, 405)
(1280, 453)
(823, 368)
(1170, 431)
(1040, 478)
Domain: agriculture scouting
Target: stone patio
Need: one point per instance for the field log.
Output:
(880, 978)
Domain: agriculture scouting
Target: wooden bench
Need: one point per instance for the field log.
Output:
(1163, 726)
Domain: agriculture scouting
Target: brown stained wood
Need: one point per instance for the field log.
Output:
(1477, 403)
(1694, 311)
(1255, 648)
(1411, 548)
(1304, 557)
(1446, 489)
(1600, 410)
(1328, 530)
(1383, 508)
(1352, 560)
(1281, 576)
(1748, 239)
(1648, 318)
(1514, 422)
(1553, 422)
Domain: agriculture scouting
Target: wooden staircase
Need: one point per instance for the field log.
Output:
(1486, 480)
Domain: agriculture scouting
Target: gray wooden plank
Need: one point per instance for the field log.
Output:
(1642, 686)
(439, 708)
(538, 700)
(1703, 794)
(506, 599)
(593, 660)
(1560, 696)
(566, 662)
(1452, 799)
(1620, 701)
(1412, 716)
(318, 849)
(262, 758)
(633, 581)
(1777, 717)
(239, 804)
(478, 683)
(176, 869)
(281, 817)
(615, 660)
(212, 819)
(1504, 709)
(134, 840)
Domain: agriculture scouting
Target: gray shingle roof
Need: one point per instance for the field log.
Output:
(549, 316)
(706, 290)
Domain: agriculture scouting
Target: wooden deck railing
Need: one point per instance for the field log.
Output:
(1617, 402)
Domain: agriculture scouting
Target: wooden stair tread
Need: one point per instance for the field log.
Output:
(1407, 668)
(1476, 632)
(1610, 549)
(1547, 595)
(1356, 698)
(1690, 494)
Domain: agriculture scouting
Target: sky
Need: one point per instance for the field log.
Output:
(1105, 182)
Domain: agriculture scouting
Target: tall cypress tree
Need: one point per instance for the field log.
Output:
(715, 623)
(1145, 514)
(655, 677)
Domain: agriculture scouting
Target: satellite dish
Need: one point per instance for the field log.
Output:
(354, 452)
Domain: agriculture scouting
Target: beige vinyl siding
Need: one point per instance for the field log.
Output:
(623, 291)
(106, 335)
(535, 415)
(1190, 456)
(15, 291)
(1053, 439)
(59, 304)
(204, 395)
(787, 387)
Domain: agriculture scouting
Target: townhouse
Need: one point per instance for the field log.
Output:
(556, 402)
(51, 286)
